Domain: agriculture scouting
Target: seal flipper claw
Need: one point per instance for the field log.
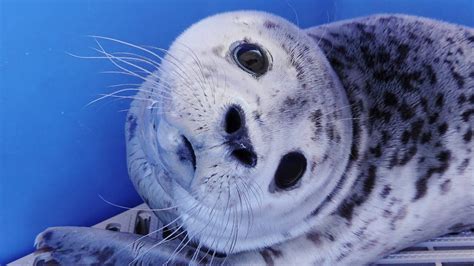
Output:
(83, 245)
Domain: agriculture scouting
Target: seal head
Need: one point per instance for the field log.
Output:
(248, 121)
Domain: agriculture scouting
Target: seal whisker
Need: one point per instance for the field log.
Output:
(250, 187)
(197, 250)
(141, 58)
(192, 207)
(227, 210)
(156, 94)
(135, 208)
(136, 85)
(111, 95)
(175, 62)
(232, 224)
(115, 93)
(199, 64)
(109, 57)
(180, 245)
(238, 220)
(168, 238)
(139, 48)
(248, 206)
(199, 75)
(213, 209)
(255, 189)
(190, 238)
(152, 232)
(133, 73)
(116, 55)
(124, 60)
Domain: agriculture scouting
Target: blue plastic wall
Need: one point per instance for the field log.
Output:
(58, 155)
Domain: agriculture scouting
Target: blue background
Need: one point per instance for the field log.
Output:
(56, 154)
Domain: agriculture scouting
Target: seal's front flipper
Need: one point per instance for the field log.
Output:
(84, 245)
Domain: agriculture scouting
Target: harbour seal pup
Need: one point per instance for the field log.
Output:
(265, 143)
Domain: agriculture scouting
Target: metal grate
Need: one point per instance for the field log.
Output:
(450, 250)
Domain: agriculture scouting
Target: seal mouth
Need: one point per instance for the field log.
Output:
(187, 153)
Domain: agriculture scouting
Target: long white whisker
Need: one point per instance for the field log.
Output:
(115, 93)
(135, 208)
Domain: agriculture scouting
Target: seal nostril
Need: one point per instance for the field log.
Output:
(290, 170)
(246, 157)
(233, 119)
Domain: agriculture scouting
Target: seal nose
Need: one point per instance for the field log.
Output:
(246, 156)
(237, 137)
(233, 119)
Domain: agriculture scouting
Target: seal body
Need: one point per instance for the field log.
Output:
(341, 143)
(408, 175)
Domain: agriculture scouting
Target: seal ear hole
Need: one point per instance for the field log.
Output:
(251, 58)
(245, 156)
(290, 170)
(233, 119)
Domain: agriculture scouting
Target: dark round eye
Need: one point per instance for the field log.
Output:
(291, 168)
(251, 58)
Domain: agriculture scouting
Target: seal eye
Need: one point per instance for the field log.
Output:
(251, 58)
(291, 168)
